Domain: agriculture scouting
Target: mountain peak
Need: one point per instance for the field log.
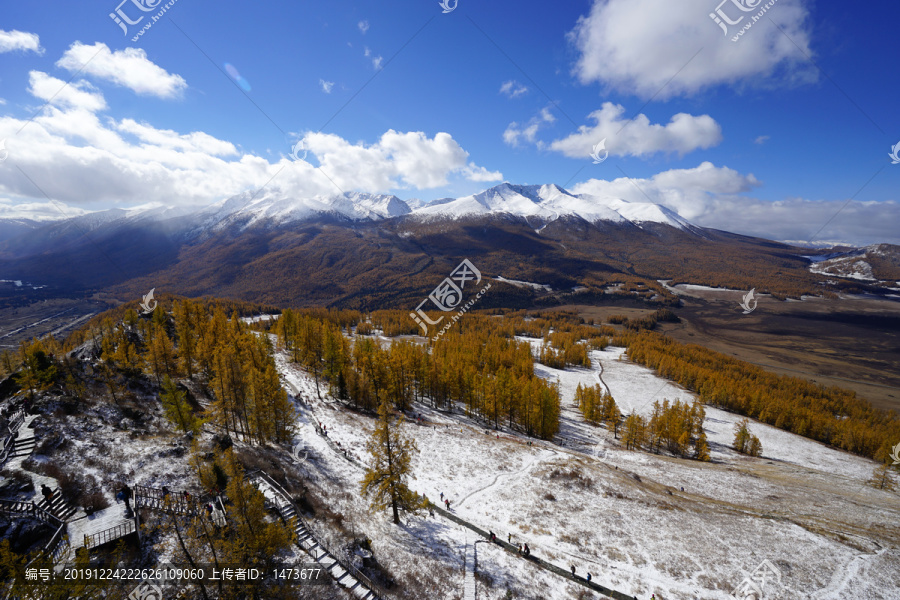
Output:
(550, 202)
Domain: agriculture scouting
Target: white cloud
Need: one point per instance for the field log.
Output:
(11, 41)
(84, 160)
(77, 94)
(686, 191)
(397, 160)
(326, 85)
(363, 26)
(39, 211)
(761, 139)
(128, 68)
(516, 133)
(716, 197)
(171, 140)
(473, 172)
(638, 137)
(636, 46)
(376, 60)
(513, 89)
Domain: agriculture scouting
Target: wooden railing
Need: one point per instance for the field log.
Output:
(55, 548)
(15, 421)
(107, 535)
(58, 544)
(156, 499)
(28, 508)
(9, 441)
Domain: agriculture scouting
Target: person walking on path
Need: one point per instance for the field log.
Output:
(47, 493)
(526, 551)
(588, 577)
(127, 493)
(573, 571)
(509, 538)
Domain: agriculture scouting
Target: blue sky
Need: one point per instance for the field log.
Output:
(769, 135)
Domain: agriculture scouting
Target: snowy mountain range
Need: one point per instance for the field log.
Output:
(546, 202)
(550, 202)
(376, 250)
(274, 207)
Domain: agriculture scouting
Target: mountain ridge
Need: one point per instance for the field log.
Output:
(373, 250)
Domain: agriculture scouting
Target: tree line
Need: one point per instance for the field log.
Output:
(830, 415)
(476, 365)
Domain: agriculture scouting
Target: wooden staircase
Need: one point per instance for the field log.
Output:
(57, 506)
(345, 574)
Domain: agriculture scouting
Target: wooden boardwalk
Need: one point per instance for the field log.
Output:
(74, 528)
(102, 527)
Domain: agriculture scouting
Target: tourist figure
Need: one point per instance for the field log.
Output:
(47, 492)
(127, 493)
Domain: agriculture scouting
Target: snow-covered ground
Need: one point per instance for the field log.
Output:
(259, 318)
(622, 515)
(528, 284)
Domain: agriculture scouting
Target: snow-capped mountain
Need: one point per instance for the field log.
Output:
(544, 202)
(550, 202)
(871, 263)
(275, 207)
